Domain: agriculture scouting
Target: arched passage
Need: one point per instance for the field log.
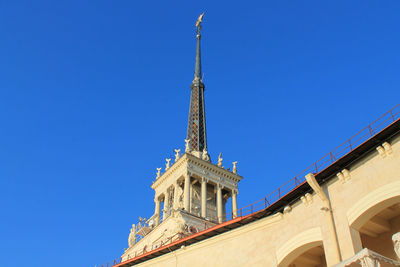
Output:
(303, 250)
(376, 217)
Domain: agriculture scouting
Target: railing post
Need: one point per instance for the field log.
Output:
(371, 132)
(391, 112)
(251, 208)
(351, 148)
(265, 203)
(316, 168)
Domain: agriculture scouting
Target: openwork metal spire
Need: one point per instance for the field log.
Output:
(196, 132)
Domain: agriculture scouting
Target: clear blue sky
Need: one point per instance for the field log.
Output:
(94, 95)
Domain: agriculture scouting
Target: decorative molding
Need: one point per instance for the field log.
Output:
(317, 189)
(384, 150)
(371, 203)
(388, 148)
(367, 258)
(381, 151)
(344, 176)
(297, 245)
(341, 177)
(287, 209)
(307, 199)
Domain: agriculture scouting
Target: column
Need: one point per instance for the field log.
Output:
(234, 203)
(203, 197)
(219, 203)
(187, 193)
(166, 205)
(176, 195)
(157, 211)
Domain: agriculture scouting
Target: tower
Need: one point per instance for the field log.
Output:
(191, 194)
(196, 131)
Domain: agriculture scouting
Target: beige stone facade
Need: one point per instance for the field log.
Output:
(356, 209)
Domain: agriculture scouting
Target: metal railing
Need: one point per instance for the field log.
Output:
(346, 147)
(355, 141)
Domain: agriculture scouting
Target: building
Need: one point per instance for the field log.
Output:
(344, 210)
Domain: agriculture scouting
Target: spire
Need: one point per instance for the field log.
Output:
(197, 67)
(196, 132)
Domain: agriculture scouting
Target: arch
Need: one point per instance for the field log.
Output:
(369, 205)
(297, 245)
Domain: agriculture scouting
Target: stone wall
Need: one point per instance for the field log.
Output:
(373, 185)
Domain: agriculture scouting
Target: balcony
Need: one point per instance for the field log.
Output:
(368, 258)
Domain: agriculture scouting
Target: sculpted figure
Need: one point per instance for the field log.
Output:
(205, 155)
(167, 164)
(220, 160)
(187, 148)
(396, 243)
(196, 194)
(234, 169)
(158, 172)
(177, 154)
(199, 20)
(180, 198)
(177, 227)
(132, 236)
(141, 220)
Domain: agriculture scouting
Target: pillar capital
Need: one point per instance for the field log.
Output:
(204, 180)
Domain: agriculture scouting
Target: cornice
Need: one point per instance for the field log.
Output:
(181, 161)
(200, 168)
(219, 171)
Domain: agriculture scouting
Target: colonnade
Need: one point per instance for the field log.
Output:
(187, 199)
